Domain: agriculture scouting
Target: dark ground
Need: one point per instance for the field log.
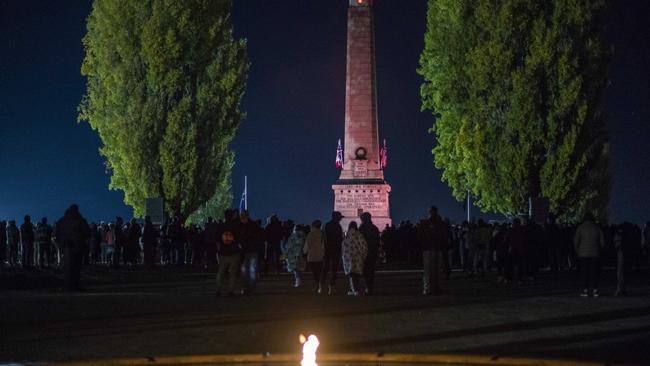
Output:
(169, 311)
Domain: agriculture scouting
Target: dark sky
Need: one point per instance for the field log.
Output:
(295, 106)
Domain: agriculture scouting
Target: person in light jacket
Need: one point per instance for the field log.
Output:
(588, 242)
(315, 250)
(353, 252)
(292, 250)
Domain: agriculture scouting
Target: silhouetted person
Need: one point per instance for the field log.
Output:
(432, 235)
(274, 234)
(646, 240)
(210, 239)
(13, 238)
(332, 258)
(119, 240)
(503, 260)
(3, 243)
(95, 244)
(229, 251)
(481, 235)
(43, 243)
(370, 232)
(588, 242)
(176, 235)
(445, 249)
(193, 241)
(624, 241)
(111, 256)
(102, 229)
(554, 244)
(27, 242)
(149, 237)
(133, 243)
(517, 239)
(72, 232)
(250, 244)
(165, 245)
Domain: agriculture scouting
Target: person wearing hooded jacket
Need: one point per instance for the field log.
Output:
(353, 254)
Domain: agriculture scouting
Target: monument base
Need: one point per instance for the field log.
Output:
(354, 198)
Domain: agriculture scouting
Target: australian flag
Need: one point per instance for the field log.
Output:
(339, 155)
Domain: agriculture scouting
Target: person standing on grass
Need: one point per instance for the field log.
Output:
(588, 242)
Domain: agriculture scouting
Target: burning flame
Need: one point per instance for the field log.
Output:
(309, 347)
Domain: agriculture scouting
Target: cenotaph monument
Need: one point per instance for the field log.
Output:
(361, 186)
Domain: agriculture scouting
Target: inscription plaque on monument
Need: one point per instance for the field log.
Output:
(360, 169)
(354, 197)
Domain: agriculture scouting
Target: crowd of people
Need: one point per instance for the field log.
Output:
(240, 248)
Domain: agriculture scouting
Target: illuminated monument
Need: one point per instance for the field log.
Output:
(361, 186)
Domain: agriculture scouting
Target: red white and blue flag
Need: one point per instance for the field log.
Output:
(339, 155)
(383, 156)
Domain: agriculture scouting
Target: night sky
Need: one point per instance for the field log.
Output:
(295, 105)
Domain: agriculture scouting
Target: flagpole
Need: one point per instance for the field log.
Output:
(468, 205)
(246, 192)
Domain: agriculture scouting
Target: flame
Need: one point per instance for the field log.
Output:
(309, 347)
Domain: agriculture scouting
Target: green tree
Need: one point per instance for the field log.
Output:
(220, 200)
(515, 87)
(165, 80)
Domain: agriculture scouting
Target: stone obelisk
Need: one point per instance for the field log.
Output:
(361, 186)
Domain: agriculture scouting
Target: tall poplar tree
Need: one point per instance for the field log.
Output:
(165, 80)
(515, 87)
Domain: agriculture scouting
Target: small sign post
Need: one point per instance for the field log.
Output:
(155, 209)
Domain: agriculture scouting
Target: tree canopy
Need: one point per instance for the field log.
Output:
(165, 80)
(515, 87)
